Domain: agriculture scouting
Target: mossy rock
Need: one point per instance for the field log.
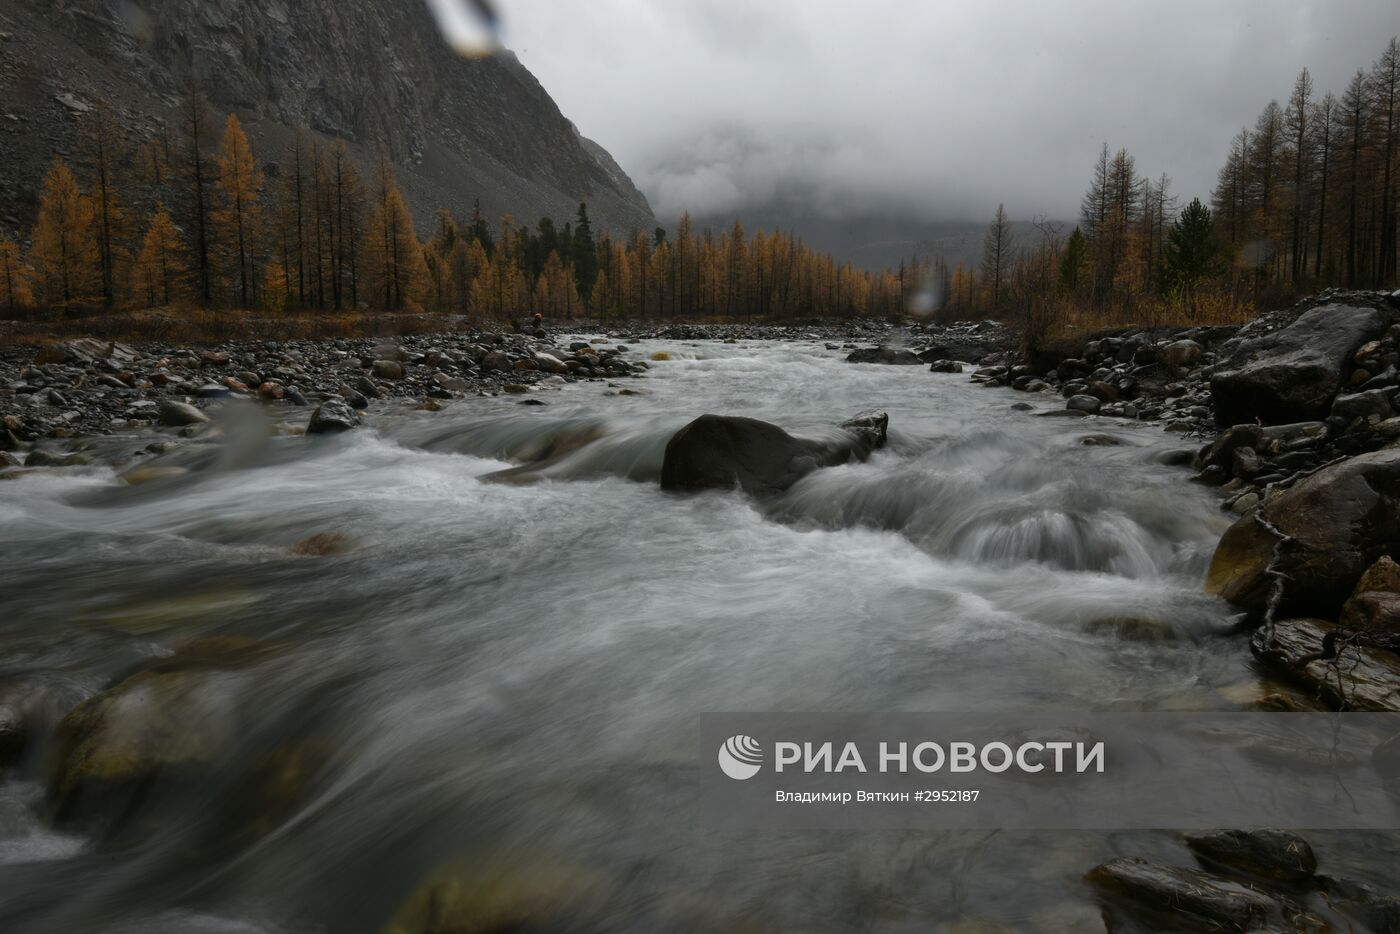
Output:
(180, 741)
(461, 899)
(1383, 576)
(1331, 528)
(152, 725)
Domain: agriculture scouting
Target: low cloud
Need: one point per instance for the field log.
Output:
(929, 112)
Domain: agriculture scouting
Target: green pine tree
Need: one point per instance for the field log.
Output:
(482, 230)
(1194, 256)
(1072, 263)
(585, 255)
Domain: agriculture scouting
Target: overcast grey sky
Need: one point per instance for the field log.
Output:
(933, 110)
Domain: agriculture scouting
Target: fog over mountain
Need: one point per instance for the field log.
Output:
(861, 123)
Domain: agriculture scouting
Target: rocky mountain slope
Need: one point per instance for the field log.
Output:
(373, 71)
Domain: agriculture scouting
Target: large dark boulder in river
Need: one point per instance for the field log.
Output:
(892, 355)
(1321, 534)
(724, 451)
(1291, 374)
(331, 417)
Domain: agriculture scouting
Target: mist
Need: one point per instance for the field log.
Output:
(841, 111)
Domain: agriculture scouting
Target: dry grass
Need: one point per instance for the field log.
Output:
(172, 325)
(192, 325)
(1211, 310)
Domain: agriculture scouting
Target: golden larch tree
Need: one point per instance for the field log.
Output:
(160, 270)
(237, 216)
(397, 259)
(14, 278)
(64, 252)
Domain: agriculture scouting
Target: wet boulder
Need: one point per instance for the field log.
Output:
(1345, 673)
(471, 897)
(725, 451)
(1221, 451)
(496, 361)
(366, 387)
(391, 352)
(1104, 392)
(332, 416)
(1377, 911)
(1372, 402)
(179, 414)
(1384, 576)
(151, 725)
(1183, 354)
(353, 397)
(388, 369)
(193, 741)
(1372, 611)
(1275, 855)
(871, 428)
(1190, 900)
(1293, 373)
(1246, 463)
(1321, 534)
(1374, 605)
(896, 356)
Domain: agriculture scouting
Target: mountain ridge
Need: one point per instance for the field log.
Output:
(375, 73)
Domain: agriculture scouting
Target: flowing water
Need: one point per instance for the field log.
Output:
(497, 683)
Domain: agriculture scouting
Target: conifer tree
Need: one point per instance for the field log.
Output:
(349, 222)
(1071, 272)
(237, 218)
(585, 254)
(103, 151)
(1354, 113)
(1323, 120)
(1296, 119)
(160, 272)
(996, 255)
(1385, 92)
(198, 181)
(14, 278)
(397, 260)
(1193, 253)
(64, 253)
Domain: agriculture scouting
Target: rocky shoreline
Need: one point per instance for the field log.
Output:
(55, 398)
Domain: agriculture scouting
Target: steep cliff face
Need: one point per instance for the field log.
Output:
(373, 71)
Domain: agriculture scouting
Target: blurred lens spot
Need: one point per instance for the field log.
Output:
(471, 27)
